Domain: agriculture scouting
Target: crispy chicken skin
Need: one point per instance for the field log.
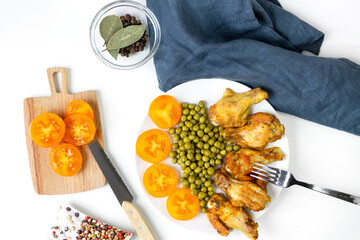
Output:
(239, 164)
(261, 129)
(232, 109)
(223, 216)
(242, 193)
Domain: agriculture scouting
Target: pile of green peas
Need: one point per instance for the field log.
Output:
(198, 148)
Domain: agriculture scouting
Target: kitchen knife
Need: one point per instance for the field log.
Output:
(121, 191)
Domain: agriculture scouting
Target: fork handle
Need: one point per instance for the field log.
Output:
(344, 196)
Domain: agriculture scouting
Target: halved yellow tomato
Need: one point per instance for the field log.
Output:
(47, 130)
(182, 205)
(165, 111)
(65, 159)
(160, 180)
(153, 146)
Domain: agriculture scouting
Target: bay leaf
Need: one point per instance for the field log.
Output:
(114, 53)
(126, 36)
(109, 26)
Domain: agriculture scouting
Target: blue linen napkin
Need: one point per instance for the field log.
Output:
(259, 44)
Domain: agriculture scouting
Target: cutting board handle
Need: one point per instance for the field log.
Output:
(51, 72)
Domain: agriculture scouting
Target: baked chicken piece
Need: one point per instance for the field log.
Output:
(233, 108)
(223, 216)
(261, 129)
(242, 193)
(239, 164)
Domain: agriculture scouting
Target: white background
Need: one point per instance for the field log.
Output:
(39, 34)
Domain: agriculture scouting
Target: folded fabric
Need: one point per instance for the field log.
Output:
(259, 44)
(72, 224)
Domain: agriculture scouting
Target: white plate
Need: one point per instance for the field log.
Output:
(210, 91)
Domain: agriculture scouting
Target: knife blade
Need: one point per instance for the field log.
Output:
(121, 191)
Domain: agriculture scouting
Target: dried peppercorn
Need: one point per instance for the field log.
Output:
(138, 46)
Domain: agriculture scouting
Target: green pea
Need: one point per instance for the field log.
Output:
(186, 111)
(202, 203)
(176, 138)
(202, 119)
(192, 186)
(191, 137)
(204, 172)
(207, 152)
(210, 193)
(201, 195)
(191, 106)
(193, 121)
(174, 160)
(221, 128)
(196, 117)
(193, 166)
(171, 131)
(236, 148)
(182, 148)
(183, 118)
(185, 128)
(206, 165)
(186, 140)
(207, 199)
(197, 170)
(194, 192)
(182, 153)
(197, 108)
(200, 133)
(183, 159)
(200, 163)
(203, 210)
(186, 175)
(205, 159)
(207, 183)
(212, 162)
(175, 146)
(198, 157)
(190, 156)
(205, 138)
(192, 112)
(203, 189)
(211, 141)
(191, 173)
(186, 184)
(223, 152)
(178, 130)
(210, 189)
(198, 181)
(191, 179)
(201, 103)
(172, 154)
(213, 149)
(218, 162)
(187, 163)
(189, 117)
(229, 148)
(207, 130)
(206, 146)
(200, 145)
(210, 171)
(188, 124)
(203, 111)
(184, 104)
(202, 126)
(219, 156)
(217, 144)
(196, 127)
(216, 130)
(208, 176)
(182, 166)
(187, 146)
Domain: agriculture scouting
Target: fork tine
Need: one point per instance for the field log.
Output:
(263, 172)
(263, 176)
(258, 177)
(269, 169)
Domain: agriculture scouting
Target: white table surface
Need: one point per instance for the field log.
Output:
(39, 34)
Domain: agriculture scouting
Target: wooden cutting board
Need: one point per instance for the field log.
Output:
(44, 179)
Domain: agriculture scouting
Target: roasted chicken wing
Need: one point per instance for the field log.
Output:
(223, 216)
(261, 129)
(232, 109)
(242, 193)
(239, 164)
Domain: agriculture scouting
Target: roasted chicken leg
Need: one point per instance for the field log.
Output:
(261, 129)
(223, 216)
(233, 108)
(242, 193)
(239, 164)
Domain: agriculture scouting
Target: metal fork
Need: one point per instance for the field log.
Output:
(285, 179)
